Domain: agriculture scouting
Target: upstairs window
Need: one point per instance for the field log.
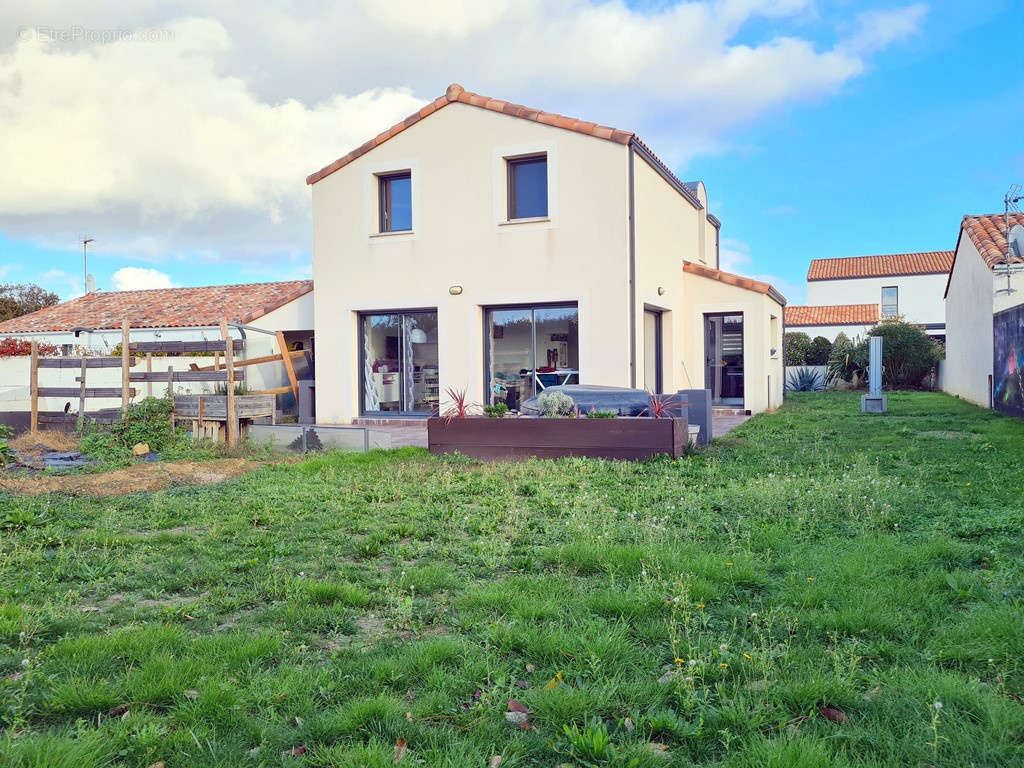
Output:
(890, 301)
(395, 196)
(528, 187)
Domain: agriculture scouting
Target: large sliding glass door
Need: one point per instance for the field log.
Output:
(530, 349)
(723, 358)
(399, 363)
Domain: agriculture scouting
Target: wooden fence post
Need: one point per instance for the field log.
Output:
(170, 392)
(229, 363)
(81, 396)
(283, 347)
(125, 367)
(149, 369)
(34, 387)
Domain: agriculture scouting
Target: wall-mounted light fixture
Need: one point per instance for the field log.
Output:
(661, 291)
(455, 290)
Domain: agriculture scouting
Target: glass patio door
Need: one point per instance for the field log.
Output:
(723, 358)
(399, 363)
(530, 348)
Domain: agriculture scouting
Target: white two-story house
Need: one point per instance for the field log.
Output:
(850, 294)
(489, 247)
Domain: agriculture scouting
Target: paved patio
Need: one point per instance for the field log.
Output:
(417, 434)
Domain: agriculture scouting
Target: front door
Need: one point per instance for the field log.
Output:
(723, 358)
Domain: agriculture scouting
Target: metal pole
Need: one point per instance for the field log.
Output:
(85, 263)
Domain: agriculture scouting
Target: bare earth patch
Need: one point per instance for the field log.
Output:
(44, 440)
(139, 477)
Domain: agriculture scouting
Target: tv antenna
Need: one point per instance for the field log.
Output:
(85, 263)
(1014, 262)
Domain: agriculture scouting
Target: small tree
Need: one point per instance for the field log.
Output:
(795, 347)
(820, 351)
(22, 298)
(909, 355)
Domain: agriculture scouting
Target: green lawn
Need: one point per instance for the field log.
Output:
(656, 614)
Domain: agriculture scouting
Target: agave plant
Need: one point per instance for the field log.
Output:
(805, 380)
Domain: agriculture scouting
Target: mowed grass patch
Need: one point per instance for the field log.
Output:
(702, 611)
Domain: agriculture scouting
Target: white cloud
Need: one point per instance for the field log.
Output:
(140, 278)
(198, 138)
(65, 284)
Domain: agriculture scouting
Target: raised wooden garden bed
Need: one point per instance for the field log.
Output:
(209, 413)
(520, 438)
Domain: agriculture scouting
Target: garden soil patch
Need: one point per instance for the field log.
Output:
(139, 477)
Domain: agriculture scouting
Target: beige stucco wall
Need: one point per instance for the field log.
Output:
(920, 296)
(296, 315)
(970, 304)
(459, 237)
(762, 333)
(667, 232)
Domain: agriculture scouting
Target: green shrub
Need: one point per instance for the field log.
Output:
(820, 351)
(909, 354)
(602, 415)
(148, 421)
(846, 360)
(555, 404)
(6, 454)
(795, 347)
(221, 388)
(496, 411)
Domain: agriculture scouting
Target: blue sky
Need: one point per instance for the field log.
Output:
(883, 155)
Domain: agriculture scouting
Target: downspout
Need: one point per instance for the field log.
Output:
(632, 274)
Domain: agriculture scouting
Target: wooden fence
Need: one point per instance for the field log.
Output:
(224, 370)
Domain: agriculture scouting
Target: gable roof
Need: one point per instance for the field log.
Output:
(987, 232)
(884, 265)
(162, 307)
(456, 93)
(729, 278)
(836, 314)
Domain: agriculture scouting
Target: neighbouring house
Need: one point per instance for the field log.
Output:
(906, 284)
(92, 324)
(490, 247)
(984, 323)
(852, 319)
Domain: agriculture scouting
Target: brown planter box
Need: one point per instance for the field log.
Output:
(521, 438)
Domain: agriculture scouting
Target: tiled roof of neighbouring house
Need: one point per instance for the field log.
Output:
(162, 307)
(738, 280)
(837, 314)
(456, 93)
(885, 265)
(988, 233)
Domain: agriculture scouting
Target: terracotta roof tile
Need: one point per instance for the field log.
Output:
(837, 314)
(738, 280)
(456, 93)
(988, 233)
(162, 307)
(885, 265)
